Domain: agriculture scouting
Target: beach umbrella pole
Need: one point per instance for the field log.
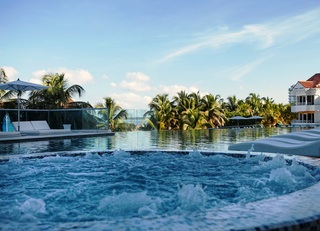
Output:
(19, 95)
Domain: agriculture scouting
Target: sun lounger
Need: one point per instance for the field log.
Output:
(310, 148)
(26, 128)
(304, 136)
(39, 127)
(43, 127)
(297, 143)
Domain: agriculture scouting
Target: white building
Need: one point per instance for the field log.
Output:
(304, 97)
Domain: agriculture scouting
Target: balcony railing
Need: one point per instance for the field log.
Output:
(80, 118)
(305, 107)
(305, 103)
(302, 121)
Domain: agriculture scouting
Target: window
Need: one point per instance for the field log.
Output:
(301, 100)
(310, 100)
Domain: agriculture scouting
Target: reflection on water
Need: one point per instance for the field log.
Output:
(215, 140)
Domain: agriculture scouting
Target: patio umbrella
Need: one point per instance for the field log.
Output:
(255, 118)
(238, 118)
(21, 86)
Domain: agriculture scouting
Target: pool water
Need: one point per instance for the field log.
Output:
(139, 190)
(214, 140)
(169, 180)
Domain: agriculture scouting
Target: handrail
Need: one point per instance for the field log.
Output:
(48, 110)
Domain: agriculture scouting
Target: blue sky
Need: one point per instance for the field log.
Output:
(132, 50)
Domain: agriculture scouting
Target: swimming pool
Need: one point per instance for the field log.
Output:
(214, 140)
(68, 188)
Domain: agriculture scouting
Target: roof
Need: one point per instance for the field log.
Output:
(315, 77)
(312, 82)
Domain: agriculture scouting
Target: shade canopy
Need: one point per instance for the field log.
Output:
(256, 117)
(21, 86)
(238, 118)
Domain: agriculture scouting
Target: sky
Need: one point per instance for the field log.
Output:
(132, 50)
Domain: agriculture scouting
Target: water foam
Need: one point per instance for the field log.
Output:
(62, 189)
(33, 206)
(192, 197)
(128, 204)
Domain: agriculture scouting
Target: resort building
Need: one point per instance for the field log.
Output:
(304, 97)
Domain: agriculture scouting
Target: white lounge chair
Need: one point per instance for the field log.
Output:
(303, 136)
(39, 127)
(43, 127)
(26, 128)
(297, 143)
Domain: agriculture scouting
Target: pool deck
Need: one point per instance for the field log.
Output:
(302, 143)
(17, 137)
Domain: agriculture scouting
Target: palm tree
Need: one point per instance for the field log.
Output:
(114, 116)
(193, 119)
(10, 101)
(161, 114)
(213, 111)
(58, 95)
(185, 106)
(3, 76)
(254, 101)
(232, 104)
(286, 116)
(3, 79)
(197, 99)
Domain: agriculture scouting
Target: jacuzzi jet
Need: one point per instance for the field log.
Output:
(159, 189)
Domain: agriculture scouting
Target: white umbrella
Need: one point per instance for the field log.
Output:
(21, 86)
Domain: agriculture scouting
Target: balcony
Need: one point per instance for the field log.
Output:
(305, 107)
(304, 123)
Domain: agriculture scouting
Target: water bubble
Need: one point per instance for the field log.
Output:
(283, 177)
(195, 154)
(148, 211)
(15, 160)
(121, 153)
(90, 155)
(124, 204)
(34, 206)
(249, 151)
(192, 197)
(276, 162)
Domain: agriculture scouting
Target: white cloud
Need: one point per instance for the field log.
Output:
(138, 82)
(78, 76)
(262, 36)
(10, 72)
(237, 73)
(138, 76)
(174, 89)
(248, 34)
(135, 86)
(131, 100)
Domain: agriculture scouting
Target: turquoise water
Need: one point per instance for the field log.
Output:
(215, 140)
(149, 190)
(121, 191)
